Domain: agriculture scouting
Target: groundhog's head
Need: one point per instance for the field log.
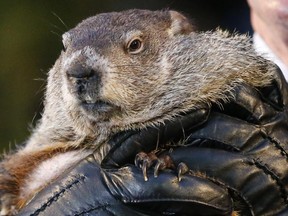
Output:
(111, 65)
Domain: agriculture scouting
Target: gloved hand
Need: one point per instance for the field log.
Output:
(242, 146)
(89, 189)
(251, 134)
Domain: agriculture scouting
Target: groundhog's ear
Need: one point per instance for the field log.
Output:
(179, 24)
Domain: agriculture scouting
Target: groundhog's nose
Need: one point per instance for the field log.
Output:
(80, 72)
(82, 79)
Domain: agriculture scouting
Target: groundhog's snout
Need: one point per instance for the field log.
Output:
(83, 79)
(85, 84)
(80, 72)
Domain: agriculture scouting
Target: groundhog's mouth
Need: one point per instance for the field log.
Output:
(99, 106)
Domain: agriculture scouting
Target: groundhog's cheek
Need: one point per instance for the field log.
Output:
(115, 94)
(132, 92)
(113, 88)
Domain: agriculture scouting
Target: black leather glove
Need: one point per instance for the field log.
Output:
(88, 189)
(244, 146)
(240, 148)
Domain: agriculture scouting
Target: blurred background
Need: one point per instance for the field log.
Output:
(30, 42)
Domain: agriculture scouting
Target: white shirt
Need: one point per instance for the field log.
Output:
(262, 48)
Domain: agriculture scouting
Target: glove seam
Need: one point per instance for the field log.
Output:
(234, 190)
(169, 199)
(278, 145)
(78, 179)
(85, 211)
(268, 171)
(274, 176)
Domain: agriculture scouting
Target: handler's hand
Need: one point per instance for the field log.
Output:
(243, 146)
(89, 190)
(111, 189)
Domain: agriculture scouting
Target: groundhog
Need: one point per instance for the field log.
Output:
(119, 71)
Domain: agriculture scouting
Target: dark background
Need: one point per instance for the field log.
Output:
(30, 42)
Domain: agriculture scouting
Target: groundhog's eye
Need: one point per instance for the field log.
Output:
(135, 46)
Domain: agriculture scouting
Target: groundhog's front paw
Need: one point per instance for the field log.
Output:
(151, 160)
(7, 205)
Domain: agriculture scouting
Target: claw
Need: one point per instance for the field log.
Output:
(160, 165)
(144, 170)
(164, 162)
(140, 157)
(144, 161)
(182, 169)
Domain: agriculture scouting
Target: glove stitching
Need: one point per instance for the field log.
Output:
(221, 183)
(89, 210)
(274, 176)
(275, 141)
(267, 171)
(277, 144)
(136, 201)
(50, 200)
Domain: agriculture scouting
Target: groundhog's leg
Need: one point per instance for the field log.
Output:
(9, 189)
(15, 170)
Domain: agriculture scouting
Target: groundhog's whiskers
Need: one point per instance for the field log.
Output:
(127, 81)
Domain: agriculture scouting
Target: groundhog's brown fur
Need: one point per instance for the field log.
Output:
(129, 70)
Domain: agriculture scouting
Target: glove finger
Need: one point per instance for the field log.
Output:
(277, 93)
(258, 191)
(249, 139)
(79, 191)
(265, 107)
(228, 132)
(257, 105)
(89, 190)
(248, 105)
(166, 195)
(125, 146)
